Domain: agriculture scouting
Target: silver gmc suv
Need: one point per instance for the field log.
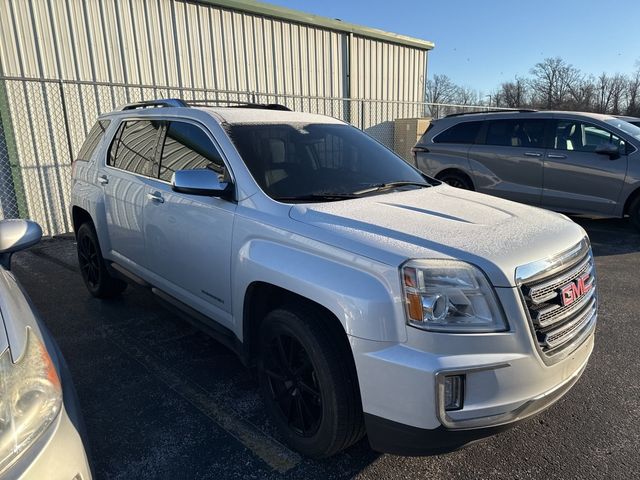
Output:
(582, 163)
(368, 296)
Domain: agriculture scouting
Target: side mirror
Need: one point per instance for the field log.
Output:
(16, 235)
(608, 149)
(199, 182)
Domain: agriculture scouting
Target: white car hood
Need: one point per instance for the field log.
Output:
(443, 222)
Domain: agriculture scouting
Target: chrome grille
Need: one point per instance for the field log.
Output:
(558, 328)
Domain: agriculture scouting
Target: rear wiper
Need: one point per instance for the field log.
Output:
(316, 197)
(379, 187)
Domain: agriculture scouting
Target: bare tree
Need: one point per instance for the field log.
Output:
(604, 93)
(552, 80)
(440, 89)
(582, 94)
(467, 96)
(513, 94)
(633, 94)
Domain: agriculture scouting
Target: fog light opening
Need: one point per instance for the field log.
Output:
(453, 392)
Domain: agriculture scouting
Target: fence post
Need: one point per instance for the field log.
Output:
(65, 117)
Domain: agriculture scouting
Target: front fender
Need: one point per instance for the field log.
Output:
(363, 301)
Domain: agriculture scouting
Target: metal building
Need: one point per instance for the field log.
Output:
(62, 62)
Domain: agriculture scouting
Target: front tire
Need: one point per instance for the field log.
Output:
(308, 382)
(93, 268)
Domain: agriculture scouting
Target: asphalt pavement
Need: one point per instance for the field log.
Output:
(162, 400)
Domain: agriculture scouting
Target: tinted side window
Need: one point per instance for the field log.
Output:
(187, 147)
(465, 132)
(93, 139)
(133, 148)
(578, 136)
(516, 133)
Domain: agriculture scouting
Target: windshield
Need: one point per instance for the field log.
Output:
(297, 161)
(626, 127)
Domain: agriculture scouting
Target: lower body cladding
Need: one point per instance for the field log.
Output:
(438, 392)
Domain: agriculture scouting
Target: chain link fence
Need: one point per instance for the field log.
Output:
(44, 122)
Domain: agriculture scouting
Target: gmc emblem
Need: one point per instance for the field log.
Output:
(575, 290)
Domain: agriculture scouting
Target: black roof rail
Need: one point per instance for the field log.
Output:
(502, 110)
(237, 104)
(167, 102)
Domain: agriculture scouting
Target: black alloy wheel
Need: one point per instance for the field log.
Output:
(93, 268)
(294, 385)
(308, 380)
(89, 261)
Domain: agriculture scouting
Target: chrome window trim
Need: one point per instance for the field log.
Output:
(166, 118)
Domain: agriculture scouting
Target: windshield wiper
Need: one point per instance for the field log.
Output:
(317, 197)
(380, 187)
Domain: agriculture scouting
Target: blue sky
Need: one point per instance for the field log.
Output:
(480, 43)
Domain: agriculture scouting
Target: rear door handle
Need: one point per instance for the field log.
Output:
(555, 155)
(533, 154)
(103, 180)
(155, 197)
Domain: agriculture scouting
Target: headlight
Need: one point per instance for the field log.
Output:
(30, 398)
(450, 296)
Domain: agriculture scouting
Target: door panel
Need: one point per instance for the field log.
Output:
(578, 180)
(128, 162)
(188, 237)
(189, 243)
(509, 161)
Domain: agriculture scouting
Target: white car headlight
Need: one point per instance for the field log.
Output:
(450, 296)
(30, 398)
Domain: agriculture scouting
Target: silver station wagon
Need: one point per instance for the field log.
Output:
(581, 163)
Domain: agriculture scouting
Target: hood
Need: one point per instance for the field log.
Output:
(495, 234)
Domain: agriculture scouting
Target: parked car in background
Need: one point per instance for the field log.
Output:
(580, 163)
(368, 296)
(632, 120)
(40, 422)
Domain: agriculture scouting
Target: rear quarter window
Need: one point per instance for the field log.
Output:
(465, 132)
(93, 140)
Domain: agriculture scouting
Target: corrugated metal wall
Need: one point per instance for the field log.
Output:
(156, 47)
(390, 76)
(169, 43)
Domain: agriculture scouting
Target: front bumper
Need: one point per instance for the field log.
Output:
(396, 438)
(402, 393)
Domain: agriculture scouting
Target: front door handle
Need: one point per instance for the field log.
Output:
(103, 180)
(555, 155)
(533, 154)
(155, 197)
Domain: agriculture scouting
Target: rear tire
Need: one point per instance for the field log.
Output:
(634, 213)
(93, 268)
(456, 179)
(308, 382)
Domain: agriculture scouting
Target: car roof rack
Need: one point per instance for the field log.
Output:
(207, 102)
(178, 102)
(502, 110)
(166, 102)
